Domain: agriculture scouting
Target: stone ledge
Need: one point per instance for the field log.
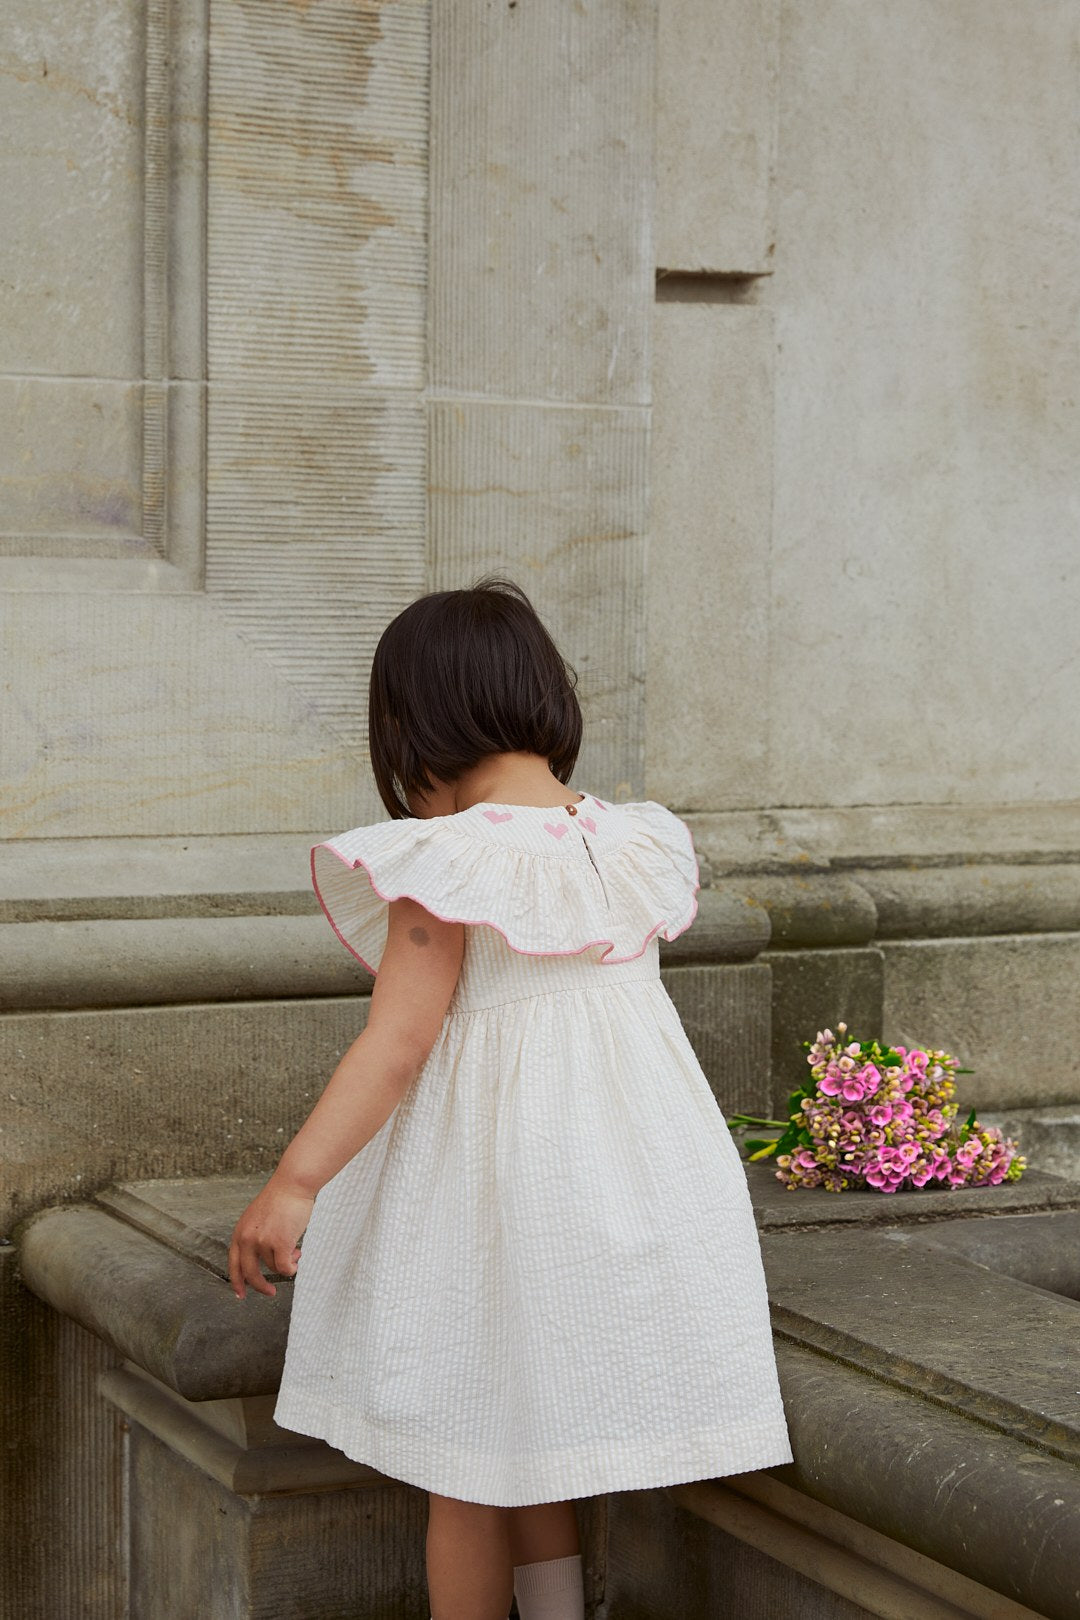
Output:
(838, 1553)
(70, 879)
(157, 961)
(824, 910)
(953, 1331)
(972, 900)
(925, 835)
(789, 879)
(167, 1313)
(296, 1463)
(779, 1209)
(1012, 1519)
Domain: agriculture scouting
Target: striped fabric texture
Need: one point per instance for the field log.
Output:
(541, 1279)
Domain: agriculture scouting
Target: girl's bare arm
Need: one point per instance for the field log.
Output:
(417, 974)
(416, 978)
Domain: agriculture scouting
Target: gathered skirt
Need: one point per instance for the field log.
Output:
(542, 1278)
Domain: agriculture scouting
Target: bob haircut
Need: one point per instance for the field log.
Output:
(459, 675)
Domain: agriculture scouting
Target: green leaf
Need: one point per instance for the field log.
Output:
(764, 1152)
(789, 1141)
(965, 1129)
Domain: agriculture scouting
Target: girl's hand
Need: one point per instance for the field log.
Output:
(268, 1230)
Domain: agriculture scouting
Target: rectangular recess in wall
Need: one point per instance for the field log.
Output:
(102, 375)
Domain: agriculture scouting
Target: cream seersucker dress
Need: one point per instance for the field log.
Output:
(541, 1278)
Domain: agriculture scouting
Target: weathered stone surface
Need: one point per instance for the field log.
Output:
(153, 962)
(667, 1564)
(316, 1553)
(70, 292)
(276, 1460)
(61, 880)
(195, 1217)
(1003, 1006)
(1048, 1137)
(716, 112)
(708, 598)
(105, 490)
(168, 1091)
(71, 468)
(1043, 1250)
(541, 202)
(178, 713)
(983, 898)
(155, 1307)
(141, 962)
(815, 990)
(816, 909)
(61, 1464)
(314, 529)
(778, 1208)
(558, 498)
(318, 152)
(725, 1012)
(999, 1352)
(728, 928)
(867, 836)
(227, 742)
(841, 1553)
(1011, 1512)
(924, 580)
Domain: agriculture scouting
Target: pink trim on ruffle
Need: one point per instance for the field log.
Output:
(473, 922)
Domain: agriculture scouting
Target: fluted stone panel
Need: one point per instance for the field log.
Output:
(316, 289)
(541, 282)
(725, 1012)
(315, 533)
(541, 200)
(318, 190)
(199, 586)
(168, 723)
(61, 1465)
(556, 497)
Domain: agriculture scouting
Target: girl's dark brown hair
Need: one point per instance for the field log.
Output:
(462, 674)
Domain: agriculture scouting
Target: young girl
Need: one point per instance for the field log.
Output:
(530, 1268)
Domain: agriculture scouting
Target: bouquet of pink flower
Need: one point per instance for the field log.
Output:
(882, 1117)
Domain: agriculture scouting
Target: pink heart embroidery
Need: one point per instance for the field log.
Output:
(599, 805)
(588, 821)
(556, 832)
(499, 815)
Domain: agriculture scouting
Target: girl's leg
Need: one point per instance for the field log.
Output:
(548, 1572)
(546, 1530)
(470, 1571)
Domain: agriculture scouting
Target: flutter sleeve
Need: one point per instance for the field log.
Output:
(358, 873)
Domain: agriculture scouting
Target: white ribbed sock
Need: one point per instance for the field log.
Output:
(552, 1589)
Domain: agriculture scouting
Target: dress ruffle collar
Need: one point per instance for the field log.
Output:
(553, 881)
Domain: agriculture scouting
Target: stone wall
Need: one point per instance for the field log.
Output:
(742, 332)
(863, 585)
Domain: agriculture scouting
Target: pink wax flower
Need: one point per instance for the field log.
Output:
(882, 1117)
